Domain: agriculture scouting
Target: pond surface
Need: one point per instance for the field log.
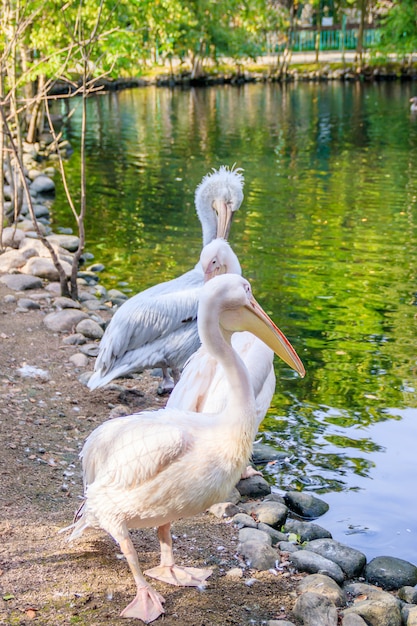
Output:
(327, 236)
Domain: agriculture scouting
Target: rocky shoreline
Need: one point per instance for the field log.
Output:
(258, 73)
(276, 532)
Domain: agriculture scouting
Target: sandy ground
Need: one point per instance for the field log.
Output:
(44, 579)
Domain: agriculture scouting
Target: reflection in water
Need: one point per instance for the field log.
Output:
(326, 235)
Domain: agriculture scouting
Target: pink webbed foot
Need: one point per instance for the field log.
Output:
(250, 471)
(146, 606)
(180, 576)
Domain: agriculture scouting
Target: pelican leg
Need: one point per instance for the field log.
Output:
(173, 574)
(167, 383)
(147, 604)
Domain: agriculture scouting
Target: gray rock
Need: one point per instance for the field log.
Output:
(115, 294)
(90, 349)
(90, 278)
(408, 594)
(68, 242)
(274, 497)
(77, 339)
(255, 535)
(21, 282)
(276, 535)
(79, 360)
(350, 560)
(258, 556)
(366, 591)
(288, 546)
(53, 288)
(12, 260)
(352, 619)
(27, 227)
(390, 573)
(89, 329)
(262, 454)
(306, 561)
(45, 268)
(86, 295)
(65, 320)
(315, 610)
(96, 267)
(43, 184)
(323, 586)
(253, 487)
(377, 608)
(410, 614)
(28, 304)
(95, 305)
(224, 509)
(272, 513)
(242, 519)
(307, 531)
(11, 237)
(305, 504)
(279, 622)
(62, 302)
(40, 210)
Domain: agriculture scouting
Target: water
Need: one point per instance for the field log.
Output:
(327, 236)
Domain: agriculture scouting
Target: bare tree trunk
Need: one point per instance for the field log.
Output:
(360, 48)
(197, 64)
(36, 111)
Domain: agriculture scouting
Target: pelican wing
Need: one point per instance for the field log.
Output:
(142, 320)
(190, 393)
(129, 451)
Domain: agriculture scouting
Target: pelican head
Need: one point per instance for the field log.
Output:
(217, 197)
(237, 310)
(217, 257)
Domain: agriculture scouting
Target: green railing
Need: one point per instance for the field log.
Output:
(332, 39)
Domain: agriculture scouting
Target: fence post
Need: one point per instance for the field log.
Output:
(343, 37)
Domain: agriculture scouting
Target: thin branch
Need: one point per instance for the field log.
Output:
(46, 243)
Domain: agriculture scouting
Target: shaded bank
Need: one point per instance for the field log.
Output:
(332, 66)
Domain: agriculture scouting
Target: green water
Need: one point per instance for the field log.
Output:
(327, 236)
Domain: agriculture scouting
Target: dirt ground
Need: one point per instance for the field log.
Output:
(44, 579)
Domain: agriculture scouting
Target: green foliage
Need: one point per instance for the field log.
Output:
(399, 27)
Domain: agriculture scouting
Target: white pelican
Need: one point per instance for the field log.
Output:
(157, 327)
(202, 387)
(154, 467)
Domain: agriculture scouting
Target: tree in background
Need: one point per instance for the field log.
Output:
(399, 27)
